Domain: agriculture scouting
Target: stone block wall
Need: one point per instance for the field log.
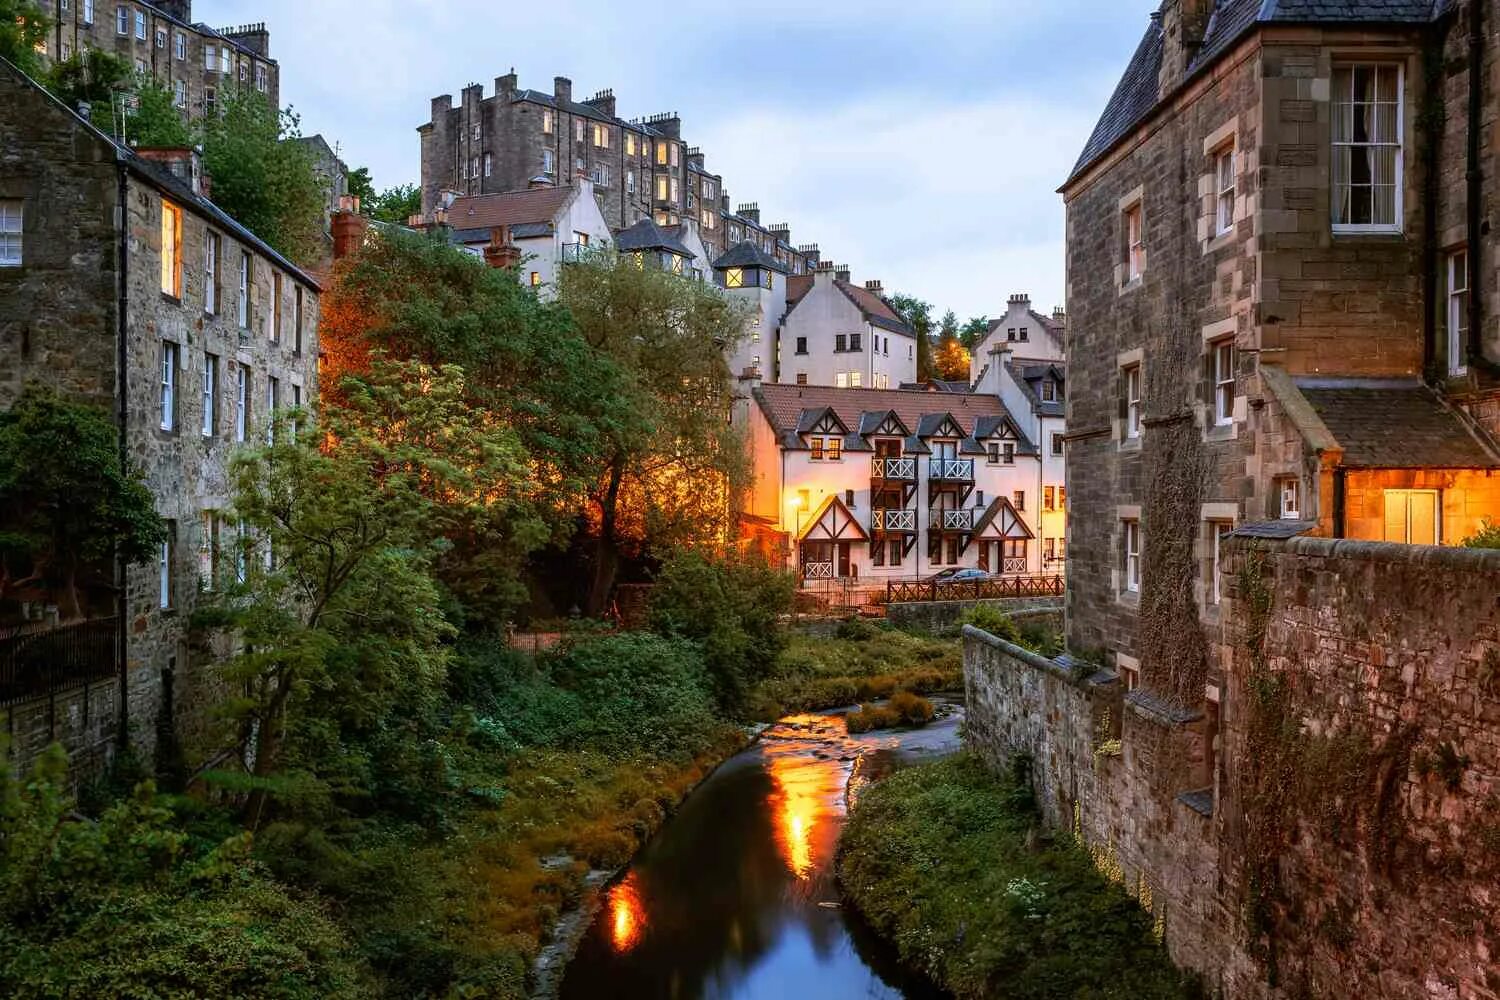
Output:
(85, 720)
(1336, 831)
(935, 616)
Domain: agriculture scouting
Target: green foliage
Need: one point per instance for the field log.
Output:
(397, 204)
(732, 608)
(904, 709)
(65, 502)
(92, 77)
(917, 315)
(24, 25)
(362, 187)
(813, 674)
(991, 619)
(973, 332)
(125, 906)
(264, 181)
(937, 859)
(157, 120)
(950, 360)
(1487, 537)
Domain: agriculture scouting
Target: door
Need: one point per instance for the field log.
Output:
(888, 448)
(843, 559)
(1413, 517)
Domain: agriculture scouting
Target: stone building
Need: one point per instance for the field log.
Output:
(123, 285)
(198, 64)
(640, 168)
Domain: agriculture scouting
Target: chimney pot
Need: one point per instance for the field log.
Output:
(501, 252)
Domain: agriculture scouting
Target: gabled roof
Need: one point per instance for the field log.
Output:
(533, 206)
(1003, 514)
(1382, 424)
(874, 309)
(1136, 96)
(647, 235)
(747, 254)
(1024, 375)
(792, 410)
(833, 520)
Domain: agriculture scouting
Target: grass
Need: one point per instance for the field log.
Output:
(864, 663)
(904, 709)
(944, 861)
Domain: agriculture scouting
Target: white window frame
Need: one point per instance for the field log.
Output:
(1399, 159)
(1289, 489)
(168, 395)
(88, 11)
(211, 244)
(1224, 190)
(179, 46)
(1216, 532)
(210, 395)
(241, 402)
(1135, 242)
(243, 307)
(140, 25)
(1458, 311)
(226, 61)
(549, 162)
(179, 93)
(12, 232)
(122, 21)
(1133, 379)
(164, 574)
(1131, 540)
(210, 58)
(547, 121)
(1223, 381)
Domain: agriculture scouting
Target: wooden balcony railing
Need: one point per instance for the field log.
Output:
(951, 520)
(817, 571)
(893, 520)
(951, 470)
(995, 588)
(899, 470)
(38, 663)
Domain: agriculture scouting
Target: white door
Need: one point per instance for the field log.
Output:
(1413, 517)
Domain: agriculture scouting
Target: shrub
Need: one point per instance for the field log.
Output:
(904, 709)
(1487, 537)
(990, 619)
(732, 609)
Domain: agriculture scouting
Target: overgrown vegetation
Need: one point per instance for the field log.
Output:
(1487, 537)
(947, 862)
(904, 709)
(863, 663)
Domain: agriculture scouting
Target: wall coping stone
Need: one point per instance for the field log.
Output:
(1160, 710)
(1026, 656)
(1446, 557)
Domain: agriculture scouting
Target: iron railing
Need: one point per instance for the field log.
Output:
(951, 520)
(951, 470)
(893, 520)
(995, 588)
(580, 253)
(38, 663)
(901, 470)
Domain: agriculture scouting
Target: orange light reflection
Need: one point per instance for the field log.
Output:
(808, 793)
(627, 915)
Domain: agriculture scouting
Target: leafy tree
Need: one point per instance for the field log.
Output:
(90, 77)
(267, 184)
(951, 359)
(973, 332)
(23, 26)
(66, 503)
(361, 187)
(157, 120)
(397, 204)
(342, 656)
(917, 315)
(672, 464)
(1487, 537)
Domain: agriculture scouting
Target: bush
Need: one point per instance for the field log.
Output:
(904, 709)
(991, 619)
(937, 859)
(732, 609)
(1487, 537)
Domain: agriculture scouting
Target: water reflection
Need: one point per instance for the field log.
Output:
(725, 901)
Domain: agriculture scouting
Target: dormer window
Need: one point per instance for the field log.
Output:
(1049, 391)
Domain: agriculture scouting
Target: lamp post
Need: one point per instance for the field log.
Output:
(799, 510)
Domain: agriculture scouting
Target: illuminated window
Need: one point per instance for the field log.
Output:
(536, 279)
(661, 153)
(802, 378)
(578, 127)
(710, 219)
(171, 250)
(661, 187)
(601, 136)
(855, 379)
(734, 277)
(1049, 498)
(841, 380)
(1413, 517)
(547, 124)
(816, 444)
(1367, 153)
(629, 144)
(1018, 499)
(835, 449)
(1131, 530)
(1224, 190)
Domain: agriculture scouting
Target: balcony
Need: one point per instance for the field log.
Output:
(950, 470)
(580, 253)
(951, 520)
(893, 520)
(893, 470)
(817, 571)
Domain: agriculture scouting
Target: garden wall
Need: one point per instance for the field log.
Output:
(935, 616)
(1341, 835)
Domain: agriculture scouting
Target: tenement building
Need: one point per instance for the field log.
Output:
(199, 65)
(1276, 723)
(123, 286)
(639, 168)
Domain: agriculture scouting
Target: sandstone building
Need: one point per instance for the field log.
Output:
(1275, 723)
(121, 284)
(198, 64)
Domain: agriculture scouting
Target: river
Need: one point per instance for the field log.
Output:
(736, 897)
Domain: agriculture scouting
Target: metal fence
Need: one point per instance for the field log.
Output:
(34, 663)
(995, 588)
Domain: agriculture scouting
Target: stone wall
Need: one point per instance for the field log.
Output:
(935, 616)
(1335, 831)
(85, 720)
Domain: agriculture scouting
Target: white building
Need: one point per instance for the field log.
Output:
(878, 485)
(748, 274)
(1023, 361)
(839, 334)
(550, 225)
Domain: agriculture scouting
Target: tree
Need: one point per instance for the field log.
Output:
(672, 464)
(157, 120)
(397, 204)
(268, 185)
(66, 504)
(917, 315)
(951, 360)
(361, 187)
(973, 333)
(89, 77)
(23, 27)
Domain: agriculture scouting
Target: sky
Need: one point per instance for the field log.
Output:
(918, 143)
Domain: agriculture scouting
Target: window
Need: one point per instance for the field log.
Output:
(474, 168)
(816, 444)
(1010, 334)
(209, 100)
(1223, 382)
(226, 59)
(661, 153)
(209, 58)
(297, 318)
(630, 182)
(88, 11)
(208, 548)
(854, 342)
(10, 232)
(1023, 335)
(855, 379)
(161, 38)
(1049, 391)
(262, 78)
(1018, 499)
(536, 279)
(994, 453)
(675, 190)
(802, 378)
(708, 189)
(897, 551)
(629, 144)
(835, 449)
(578, 127)
(1224, 190)
(1130, 673)
(179, 46)
(1057, 443)
(546, 122)
(171, 250)
(710, 220)
(840, 343)
(1133, 401)
(489, 165)
(1135, 244)
(1458, 311)
(1049, 498)
(1216, 532)
(1008, 450)
(210, 394)
(840, 380)
(211, 273)
(661, 187)
(1049, 549)
(1062, 498)
(179, 93)
(601, 136)
(164, 568)
(1291, 501)
(168, 386)
(1367, 155)
(273, 402)
(140, 25)
(244, 303)
(474, 132)
(1132, 539)
(241, 401)
(296, 408)
(1413, 517)
(122, 20)
(140, 66)
(549, 162)
(801, 345)
(241, 541)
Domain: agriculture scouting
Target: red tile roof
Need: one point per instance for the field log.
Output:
(783, 404)
(513, 208)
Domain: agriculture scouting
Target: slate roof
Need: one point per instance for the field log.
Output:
(511, 208)
(1279, 530)
(647, 235)
(1135, 97)
(1396, 425)
(791, 409)
(1024, 375)
(747, 254)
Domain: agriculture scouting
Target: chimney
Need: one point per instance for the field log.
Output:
(505, 86)
(1059, 315)
(501, 252)
(472, 96)
(1182, 24)
(810, 253)
(782, 232)
(1020, 300)
(695, 158)
(875, 286)
(603, 102)
(349, 228)
(562, 91)
(180, 9)
(184, 163)
(441, 106)
(254, 37)
(749, 210)
(841, 272)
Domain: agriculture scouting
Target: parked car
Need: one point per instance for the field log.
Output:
(955, 574)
